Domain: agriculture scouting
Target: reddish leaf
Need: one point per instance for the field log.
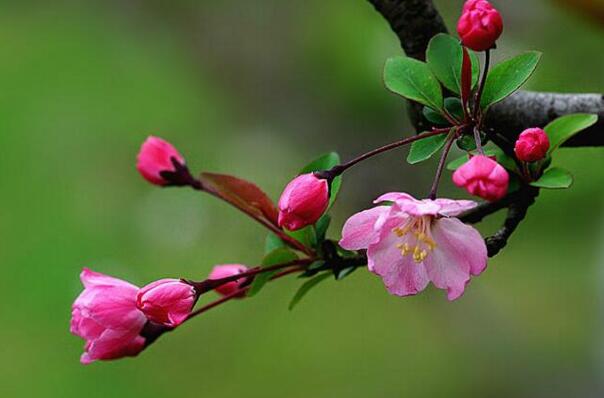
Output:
(242, 194)
(466, 78)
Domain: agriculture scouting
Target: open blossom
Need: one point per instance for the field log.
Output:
(415, 241)
(105, 315)
(166, 301)
(303, 201)
(155, 157)
(532, 145)
(480, 25)
(224, 271)
(483, 177)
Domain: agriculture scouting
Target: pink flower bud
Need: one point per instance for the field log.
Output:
(484, 177)
(303, 201)
(155, 157)
(480, 25)
(166, 301)
(532, 145)
(105, 315)
(224, 271)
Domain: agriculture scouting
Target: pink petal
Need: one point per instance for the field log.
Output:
(90, 279)
(451, 208)
(116, 310)
(394, 197)
(361, 229)
(460, 251)
(112, 345)
(401, 275)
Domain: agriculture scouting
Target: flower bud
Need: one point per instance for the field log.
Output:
(105, 315)
(532, 145)
(224, 271)
(156, 157)
(480, 25)
(166, 301)
(483, 177)
(303, 201)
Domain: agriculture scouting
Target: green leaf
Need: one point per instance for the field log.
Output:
(508, 76)
(326, 162)
(466, 143)
(321, 227)
(426, 147)
(444, 56)
(563, 128)
(272, 242)
(280, 255)
(554, 178)
(434, 117)
(457, 163)
(307, 236)
(344, 272)
(413, 80)
(323, 162)
(501, 157)
(305, 288)
(454, 107)
(312, 269)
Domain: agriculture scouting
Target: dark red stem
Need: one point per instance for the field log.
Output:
(236, 294)
(341, 168)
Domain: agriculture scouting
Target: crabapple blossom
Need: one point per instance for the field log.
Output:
(480, 25)
(414, 242)
(157, 156)
(483, 177)
(106, 316)
(224, 271)
(532, 145)
(303, 201)
(166, 301)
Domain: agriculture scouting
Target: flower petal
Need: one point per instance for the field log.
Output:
(460, 251)
(362, 229)
(91, 279)
(401, 275)
(452, 208)
(394, 197)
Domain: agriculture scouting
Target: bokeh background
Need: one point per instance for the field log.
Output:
(257, 88)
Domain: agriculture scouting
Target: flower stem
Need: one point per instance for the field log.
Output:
(478, 141)
(441, 163)
(237, 293)
(209, 284)
(487, 63)
(341, 168)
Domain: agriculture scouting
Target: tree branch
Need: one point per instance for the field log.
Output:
(415, 22)
(527, 109)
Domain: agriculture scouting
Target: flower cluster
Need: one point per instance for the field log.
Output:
(408, 242)
(112, 314)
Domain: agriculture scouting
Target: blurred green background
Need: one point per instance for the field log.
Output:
(257, 88)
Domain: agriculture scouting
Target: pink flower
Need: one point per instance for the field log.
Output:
(532, 145)
(480, 25)
(156, 157)
(303, 201)
(166, 301)
(415, 241)
(484, 177)
(105, 315)
(224, 271)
